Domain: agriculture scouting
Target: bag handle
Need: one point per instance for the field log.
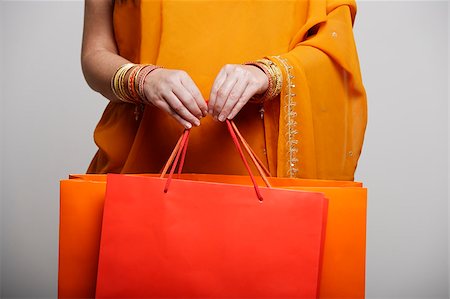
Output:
(172, 156)
(262, 170)
(181, 148)
(183, 143)
(183, 154)
(241, 153)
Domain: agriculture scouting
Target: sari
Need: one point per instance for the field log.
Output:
(313, 129)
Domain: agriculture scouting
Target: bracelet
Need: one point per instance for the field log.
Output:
(131, 79)
(117, 82)
(146, 70)
(274, 75)
(131, 91)
(262, 98)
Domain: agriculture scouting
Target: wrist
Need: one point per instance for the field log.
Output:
(261, 76)
(275, 79)
(127, 83)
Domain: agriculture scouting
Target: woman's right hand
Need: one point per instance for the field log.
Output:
(174, 92)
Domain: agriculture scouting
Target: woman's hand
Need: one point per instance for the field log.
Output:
(174, 91)
(234, 86)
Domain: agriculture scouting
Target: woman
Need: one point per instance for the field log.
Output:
(286, 71)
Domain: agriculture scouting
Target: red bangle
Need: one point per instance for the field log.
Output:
(132, 92)
(142, 76)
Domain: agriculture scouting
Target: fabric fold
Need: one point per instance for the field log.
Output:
(323, 110)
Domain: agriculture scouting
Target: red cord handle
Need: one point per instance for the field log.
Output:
(181, 148)
(172, 156)
(263, 172)
(183, 155)
(238, 146)
(183, 143)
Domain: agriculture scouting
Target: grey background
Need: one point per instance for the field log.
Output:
(48, 113)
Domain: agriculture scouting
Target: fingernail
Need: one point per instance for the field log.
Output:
(188, 126)
(205, 112)
(221, 117)
(197, 123)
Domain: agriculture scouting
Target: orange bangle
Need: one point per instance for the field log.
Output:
(132, 92)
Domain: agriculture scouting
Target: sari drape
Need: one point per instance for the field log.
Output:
(322, 114)
(314, 129)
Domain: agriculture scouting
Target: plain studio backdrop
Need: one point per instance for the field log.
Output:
(48, 115)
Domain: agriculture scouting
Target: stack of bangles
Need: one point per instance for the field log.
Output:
(274, 75)
(131, 90)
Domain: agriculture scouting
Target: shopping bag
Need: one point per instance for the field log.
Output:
(205, 240)
(81, 211)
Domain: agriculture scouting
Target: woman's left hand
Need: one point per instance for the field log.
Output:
(232, 89)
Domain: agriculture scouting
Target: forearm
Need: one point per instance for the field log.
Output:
(99, 67)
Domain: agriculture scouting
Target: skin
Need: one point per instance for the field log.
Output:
(172, 91)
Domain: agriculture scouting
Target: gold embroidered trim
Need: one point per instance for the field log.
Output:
(290, 118)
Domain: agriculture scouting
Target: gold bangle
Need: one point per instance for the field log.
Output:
(275, 79)
(270, 92)
(260, 98)
(116, 78)
(123, 86)
(277, 76)
(117, 82)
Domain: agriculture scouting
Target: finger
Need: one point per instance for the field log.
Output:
(215, 88)
(223, 93)
(189, 84)
(248, 93)
(187, 100)
(233, 98)
(179, 108)
(165, 107)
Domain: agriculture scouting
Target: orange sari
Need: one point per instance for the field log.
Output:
(314, 129)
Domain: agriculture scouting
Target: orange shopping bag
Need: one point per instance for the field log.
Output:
(81, 212)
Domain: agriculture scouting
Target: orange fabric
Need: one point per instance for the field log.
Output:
(202, 36)
(343, 264)
(329, 106)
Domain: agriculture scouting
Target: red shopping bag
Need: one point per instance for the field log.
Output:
(208, 240)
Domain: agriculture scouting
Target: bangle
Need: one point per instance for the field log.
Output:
(146, 70)
(135, 86)
(262, 97)
(275, 77)
(122, 87)
(131, 90)
(117, 82)
(131, 79)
